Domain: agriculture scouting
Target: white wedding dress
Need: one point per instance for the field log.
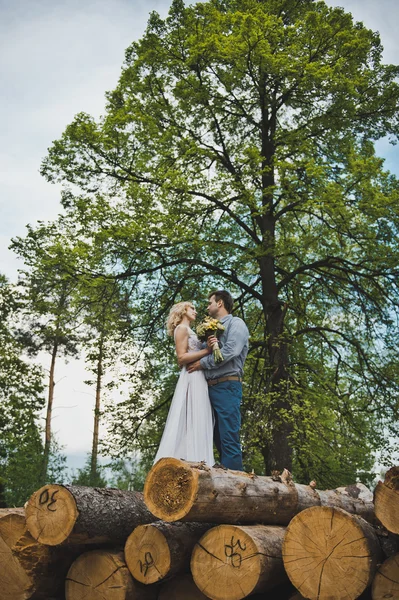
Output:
(188, 432)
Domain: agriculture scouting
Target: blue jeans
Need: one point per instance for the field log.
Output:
(225, 398)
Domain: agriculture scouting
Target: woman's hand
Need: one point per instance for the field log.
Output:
(212, 340)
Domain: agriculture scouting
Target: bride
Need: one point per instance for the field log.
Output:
(188, 432)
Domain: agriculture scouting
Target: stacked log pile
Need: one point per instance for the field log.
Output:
(201, 532)
(328, 544)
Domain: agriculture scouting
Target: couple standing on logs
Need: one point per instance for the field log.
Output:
(207, 398)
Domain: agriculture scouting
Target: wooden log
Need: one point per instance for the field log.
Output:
(27, 568)
(103, 574)
(181, 588)
(57, 514)
(386, 500)
(12, 511)
(159, 551)
(330, 554)
(386, 581)
(230, 562)
(177, 490)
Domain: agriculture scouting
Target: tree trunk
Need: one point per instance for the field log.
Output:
(159, 551)
(29, 569)
(386, 499)
(331, 554)
(101, 574)
(277, 452)
(181, 588)
(96, 426)
(230, 562)
(178, 490)
(49, 412)
(386, 581)
(78, 515)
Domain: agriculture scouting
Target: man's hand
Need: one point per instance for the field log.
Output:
(195, 366)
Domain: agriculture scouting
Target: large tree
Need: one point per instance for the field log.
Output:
(50, 324)
(106, 319)
(239, 146)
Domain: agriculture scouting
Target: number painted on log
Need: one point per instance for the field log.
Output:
(235, 557)
(147, 564)
(45, 498)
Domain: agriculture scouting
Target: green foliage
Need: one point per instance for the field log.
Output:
(128, 474)
(46, 289)
(85, 475)
(238, 150)
(21, 399)
(23, 469)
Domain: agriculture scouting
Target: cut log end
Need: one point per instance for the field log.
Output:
(12, 527)
(51, 514)
(230, 562)
(23, 561)
(329, 553)
(386, 500)
(217, 563)
(103, 574)
(15, 583)
(170, 489)
(147, 554)
(392, 478)
(386, 581)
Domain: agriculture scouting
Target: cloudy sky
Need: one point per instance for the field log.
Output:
(58, 58)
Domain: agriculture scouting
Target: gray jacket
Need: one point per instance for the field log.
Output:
(234, 346)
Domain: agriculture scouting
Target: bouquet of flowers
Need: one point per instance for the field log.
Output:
(208, 327)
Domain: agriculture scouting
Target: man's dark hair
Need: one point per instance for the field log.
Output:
(226, 298)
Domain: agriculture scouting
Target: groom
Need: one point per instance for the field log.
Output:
(224, 378)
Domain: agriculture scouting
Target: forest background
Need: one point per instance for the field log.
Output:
(290, 209)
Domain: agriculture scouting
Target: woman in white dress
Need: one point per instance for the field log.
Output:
(188, 432)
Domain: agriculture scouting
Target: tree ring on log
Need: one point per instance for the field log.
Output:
(147, 554)
(386, 581)
(225, 563)
(99, 574)
(15, 583)
(170, 489)
(328, 552)
(51, 514)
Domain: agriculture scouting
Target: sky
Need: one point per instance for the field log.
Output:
(58, 58)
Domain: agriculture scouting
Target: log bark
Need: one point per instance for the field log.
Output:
(179, 490)
(386, 581)
(159, 551)
(58, 514)
(330, 554)
(101, 574)
(29, 569)
(230, 562)
(12, 511)
(386, 500)
(181, 588)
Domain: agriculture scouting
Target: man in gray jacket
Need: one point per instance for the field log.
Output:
(225, 378)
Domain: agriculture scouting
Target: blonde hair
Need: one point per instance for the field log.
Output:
(176, 315)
